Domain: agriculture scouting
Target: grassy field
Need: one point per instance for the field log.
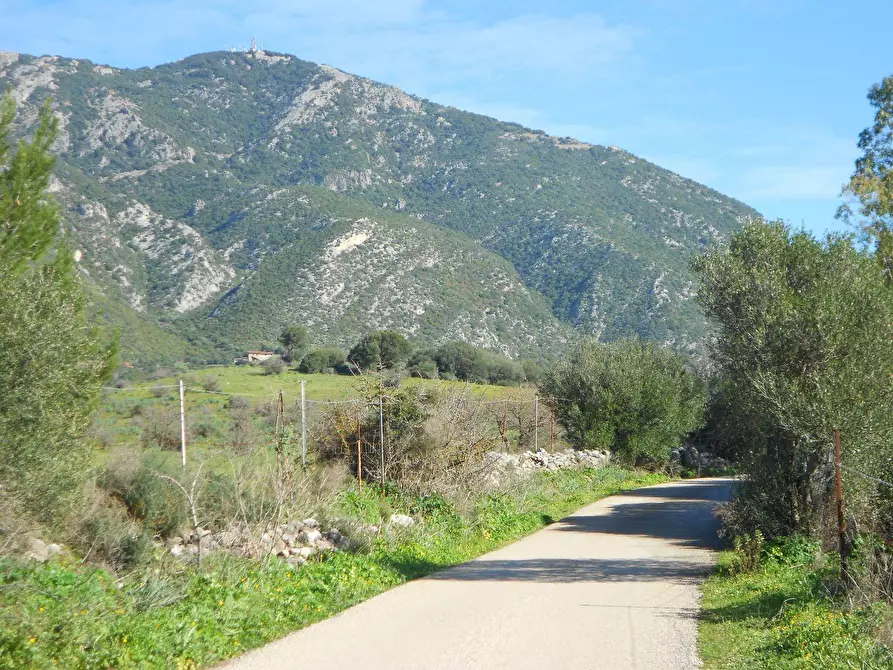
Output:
(65, 614)
(126, 414)
(788, 614)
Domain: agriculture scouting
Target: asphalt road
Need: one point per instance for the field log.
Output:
(613, 586)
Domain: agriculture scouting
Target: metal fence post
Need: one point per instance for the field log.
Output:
(841, 518)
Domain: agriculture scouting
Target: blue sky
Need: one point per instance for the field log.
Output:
(761, 99)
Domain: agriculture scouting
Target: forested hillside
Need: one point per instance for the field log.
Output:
(223, 196)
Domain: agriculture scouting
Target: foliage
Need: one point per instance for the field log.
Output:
(30, 218)
(294, 340)
(872, 180)
(84, 617)
(273, 366)
(784, 615)
(748, 552)
(628, 396)
(381, 350)
(321, 360)
(460, 360)
(52, 364)
(803, 345)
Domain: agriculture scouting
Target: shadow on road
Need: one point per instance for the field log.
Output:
(680, 514)
(562, 570)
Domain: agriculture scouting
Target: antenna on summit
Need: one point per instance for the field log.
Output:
(253, 45)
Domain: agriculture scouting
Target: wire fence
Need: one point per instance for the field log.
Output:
(531, 420)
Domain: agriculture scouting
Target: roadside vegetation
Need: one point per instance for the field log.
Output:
(804, 328)
(117, 549)
(67, 614)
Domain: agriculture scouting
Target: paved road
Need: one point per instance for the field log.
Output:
(613, 586)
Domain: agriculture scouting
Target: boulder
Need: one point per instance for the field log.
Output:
(690, 456)
(310, 523)
(401, 520)
(309, 536)
(336, 538)
(38, 550)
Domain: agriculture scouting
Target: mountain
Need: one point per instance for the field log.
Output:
(223, 196)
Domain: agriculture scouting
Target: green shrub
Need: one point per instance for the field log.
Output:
(748, 552)
(628, 396)
(273, 366)
(147, 498)
(211, 384)
(320, 360)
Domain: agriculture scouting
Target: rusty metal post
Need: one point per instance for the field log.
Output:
(841, 519)
(536, 422)
(552, 437)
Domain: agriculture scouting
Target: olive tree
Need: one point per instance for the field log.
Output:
(803, 340)
(629, 396)
(52, 362)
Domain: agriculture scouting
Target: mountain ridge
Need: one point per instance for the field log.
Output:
(169, 178)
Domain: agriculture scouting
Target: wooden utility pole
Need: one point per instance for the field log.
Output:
(359, 454)
(280, 411)
(504, 427)
(303, 423)
(182, 426)
(841, 518)
(381, 436)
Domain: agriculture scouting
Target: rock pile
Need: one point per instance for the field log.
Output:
(689, 457)
(501, 464)
(294, 541)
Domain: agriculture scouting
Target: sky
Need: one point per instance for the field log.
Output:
(762, 100)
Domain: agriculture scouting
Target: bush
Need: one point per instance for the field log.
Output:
(211, 384)
(273, 366)
(236, 402)
(424, 370)
(146, 497)
(628, 396)
(460, 360)
(748, 552)
(160, 427)
(320, 360)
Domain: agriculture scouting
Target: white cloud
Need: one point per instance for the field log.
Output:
(393, 39)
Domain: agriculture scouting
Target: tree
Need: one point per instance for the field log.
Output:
(463, 361)
(383, 349)
(294, 340)
(872, 180)
(628, 396)
(52, 364)
(320, 360)
(803, 344)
